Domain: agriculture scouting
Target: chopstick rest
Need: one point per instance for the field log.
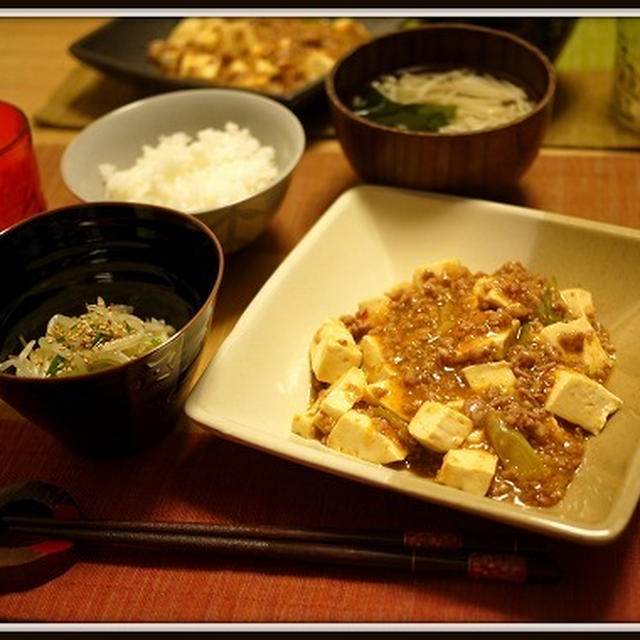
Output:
(27, 564)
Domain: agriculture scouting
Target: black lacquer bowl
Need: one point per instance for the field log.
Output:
(164, 264)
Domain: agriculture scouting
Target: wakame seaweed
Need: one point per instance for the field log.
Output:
(415, 116)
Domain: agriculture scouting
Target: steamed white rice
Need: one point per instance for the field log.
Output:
(216, 168)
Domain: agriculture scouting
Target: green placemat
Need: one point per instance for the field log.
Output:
(590, 47)
(582, 113)
(83, 96)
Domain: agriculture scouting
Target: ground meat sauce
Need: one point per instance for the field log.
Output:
(434, 326)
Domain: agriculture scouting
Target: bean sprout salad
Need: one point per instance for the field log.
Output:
(104, 336)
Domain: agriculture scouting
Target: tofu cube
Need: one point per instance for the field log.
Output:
(455, 404)
(493, 345)
(388, 393)
(343, 393)
(303, 424)
(471, 470)
(373, 361)
(560, 333)
(579, 302)
(374, 310)
(477, 436)
(333, 351)
(502, 340)
(356, 434)
(577, 338)
(581, 400)
(443, 269)
(487, 291)
(439, 427)
(594, 356)
(372, 356)
(491, 374)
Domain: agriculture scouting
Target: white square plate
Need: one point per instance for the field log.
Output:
(373, 237)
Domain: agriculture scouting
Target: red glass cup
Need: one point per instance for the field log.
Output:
(20, 191)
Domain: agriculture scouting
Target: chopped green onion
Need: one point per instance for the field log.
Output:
(56, 363)
(393, 418)
(512, 447)
(547, 314)
(526, 334)
(98, 339)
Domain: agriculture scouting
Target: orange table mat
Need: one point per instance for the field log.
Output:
(194, 475)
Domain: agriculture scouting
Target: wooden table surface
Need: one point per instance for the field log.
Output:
(599, 185)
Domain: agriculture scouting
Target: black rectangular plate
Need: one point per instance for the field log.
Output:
(119, 49)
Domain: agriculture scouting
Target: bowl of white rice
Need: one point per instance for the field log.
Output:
(224, 156)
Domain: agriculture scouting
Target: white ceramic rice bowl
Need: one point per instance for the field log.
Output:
(118, 137)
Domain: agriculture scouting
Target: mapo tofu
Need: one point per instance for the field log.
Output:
(489, 383)
(274, 55)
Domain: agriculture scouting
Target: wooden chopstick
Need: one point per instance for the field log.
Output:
(348, 548)
(433, 539)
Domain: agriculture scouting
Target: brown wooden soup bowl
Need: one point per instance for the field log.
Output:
(480, 162)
